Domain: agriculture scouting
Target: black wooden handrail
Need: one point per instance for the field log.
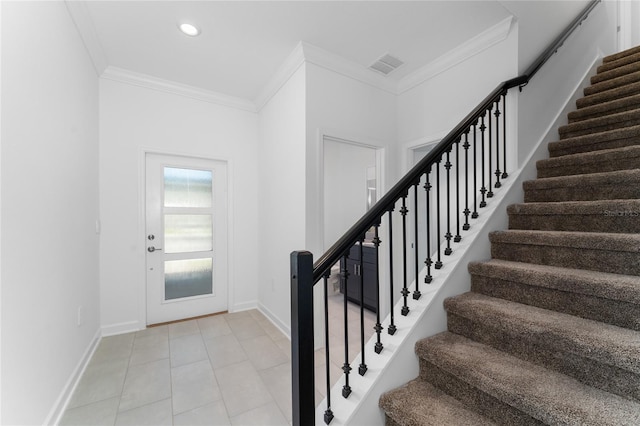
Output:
(333, 254)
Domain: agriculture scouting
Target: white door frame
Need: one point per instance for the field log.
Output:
(142, 231)
(380, 173)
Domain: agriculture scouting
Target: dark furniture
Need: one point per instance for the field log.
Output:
(368, 271)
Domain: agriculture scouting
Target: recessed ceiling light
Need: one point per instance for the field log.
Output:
(189, 29)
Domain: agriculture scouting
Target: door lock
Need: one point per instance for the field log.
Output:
(151, 237)
(152, 249)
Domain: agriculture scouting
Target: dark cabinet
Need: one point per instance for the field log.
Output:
(369, 273)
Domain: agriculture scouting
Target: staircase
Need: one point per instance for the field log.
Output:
(550, 332)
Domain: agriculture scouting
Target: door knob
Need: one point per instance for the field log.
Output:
(152, 249)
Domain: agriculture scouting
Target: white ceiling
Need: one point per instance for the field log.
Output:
(243, 43)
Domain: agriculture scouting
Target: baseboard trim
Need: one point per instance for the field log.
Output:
(284, 328)
(243, 306)
(56, 413)
(121, 328)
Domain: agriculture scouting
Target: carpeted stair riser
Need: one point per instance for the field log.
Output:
(613, 312)
(618, 185)
(622, 216)
(609, 298)
(567, 344)
(607, 160)
(601, 124)
(615, 73)
(473, 397)
(619, 138)
(618, 105)
(617, 56)
(610, 90)
(622, 61)
(429, 407)
(612, 84)
(512, 391)
(615, 253)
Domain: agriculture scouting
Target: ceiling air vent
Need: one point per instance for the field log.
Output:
(386, 64)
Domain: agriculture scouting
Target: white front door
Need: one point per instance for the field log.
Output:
(186, 237)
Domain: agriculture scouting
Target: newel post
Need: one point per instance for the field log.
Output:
(302, 354)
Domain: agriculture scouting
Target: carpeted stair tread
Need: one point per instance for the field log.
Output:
(611, 107)
(618, 216)
(604, 343)
(604, 123)
(616, 56)
(601, 161)
(618, 138)
(609, 90)
(604, 252)
(545, 395)
(619, 62)
(616, 72)
(624, 288)
(606, 297)
(620, 184)
(418, 403)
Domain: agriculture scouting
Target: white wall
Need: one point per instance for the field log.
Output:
(134, 119)
(550, 87)
(49, 207)
(434, 107)
(281, 195)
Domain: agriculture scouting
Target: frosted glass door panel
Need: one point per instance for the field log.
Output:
(187, 278)
(187, 187)
(186, 233)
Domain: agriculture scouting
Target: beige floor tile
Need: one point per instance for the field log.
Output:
(263, 352)
(113, 347)
(95, 414)
(155, 414)
(145, 384)
(183, 328)
(214, 414)
(225, 350)
(149, 348)
(100, 381)
(214, 326)
(266, 415)
(278, 380)
(242, 388)
(245, 327)
(193, 385)
(187, 349)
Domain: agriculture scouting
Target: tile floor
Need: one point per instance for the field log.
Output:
(230, 369)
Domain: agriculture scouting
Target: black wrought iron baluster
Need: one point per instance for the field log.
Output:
(378, 327)
(438, 263)
(392, 327)
(458, 237)
(328, 414)
(405, 291)
(346, 368)
(490, 144)
(497, 114)
(363, 365)
(466, 146)
(504, 135)
(483, 190)
(427, 188)
(474, 215)
(416, 292)
(448, 236)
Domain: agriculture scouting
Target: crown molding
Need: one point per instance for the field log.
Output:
(159, 84)
(82, 19)
(341, 65)
(468, 49)
(283, 74)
